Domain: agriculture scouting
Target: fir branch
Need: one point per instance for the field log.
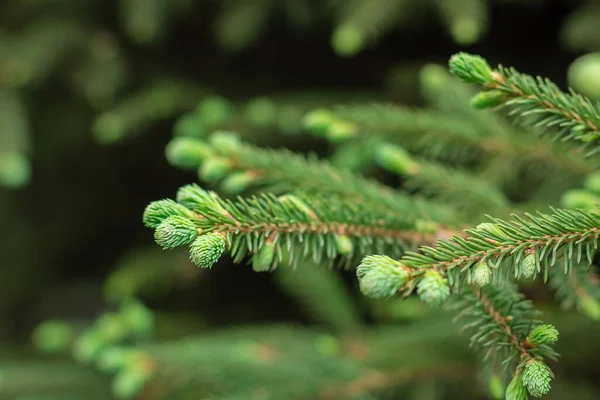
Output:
(576, 116)
(272, 227)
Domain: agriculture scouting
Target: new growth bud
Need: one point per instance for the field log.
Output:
(262, 261)
(395, 159)
(543, 334)
(482, 273)
(433, 288)
(470, 68)
(381, 277)
(516, 389)
(528, 266)
(157, 211)
(175, 231)
(207, 249)
(537, 377)
(186, 152)
(344, 244)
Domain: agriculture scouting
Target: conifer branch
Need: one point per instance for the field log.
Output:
(577, 117)
(282, 171)
(269, 227)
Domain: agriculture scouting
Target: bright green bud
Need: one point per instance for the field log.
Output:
(470, 68)
(344, 245)
(189, 125)
(175, 231)
(157, 211)
(543, 334)
(186, 152)
(426, 226)
(482, 274)
(214, 169)
(347, 40)
(528, 266)
(494, 229)
(583, 75)
(466, 30)
(15, 170)
(262, 261)
(340, 130)
(214, 110)
(108, 128)
(52, 336)
(194, 197)
(590, 307)
(537, 377)
(138, 317)
(381, 277)
(238, 182)
(112, 328)
(318, 121)
(592, 182)
(261, 111)
(294, 202)
(496, 387)
(516, 389)
(490, 98)
(113, 359)
(88, 346)
(129, 382)
(225, 142)
(579, 198)
(433, 77)
(395, 159)
(433, 288)
(207, 249)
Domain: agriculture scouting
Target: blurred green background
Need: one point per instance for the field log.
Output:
(91, 92)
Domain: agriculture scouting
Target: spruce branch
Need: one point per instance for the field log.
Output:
(577, 117)
(271, 228)
(238, 166)
(511, 249)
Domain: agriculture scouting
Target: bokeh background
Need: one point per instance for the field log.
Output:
(91, 91)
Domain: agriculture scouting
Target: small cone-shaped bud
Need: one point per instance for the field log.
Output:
(543, 334)
(88, 346)
(138, 317)
(225, 142)
(52, 336)
(347, 40)
(186, 152)
(189, 125)
(592, 182)
(486, 99)
(495, 229)
(579, 198)
(482, 274)
(381, 277)
(395, 159)
(261, 111)
(583, 75)
(157, 211)
(192, 196)
(528, 266)
(262, 261)
(344, 245)
(340, 130)
(433, 288)
(214, 110)
(516, 389)
(214, 169)
(175, 231)
(15, 170)
(238, 182)
(537, 377)
(590, 307)
(470, 68)
(207, 249)
(318, 121)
